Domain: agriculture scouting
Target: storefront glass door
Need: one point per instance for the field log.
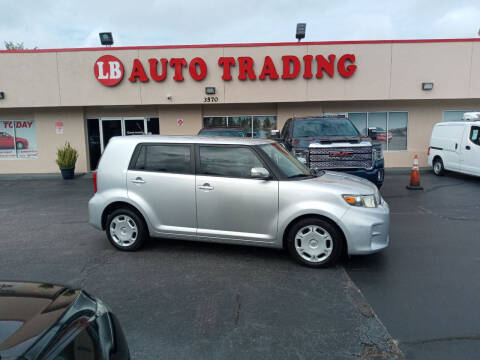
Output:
(134, 126)
(108, 129)
(100, 131)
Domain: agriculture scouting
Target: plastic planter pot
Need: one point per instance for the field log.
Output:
(67, 174)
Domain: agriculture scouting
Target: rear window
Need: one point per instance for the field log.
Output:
(164, 158)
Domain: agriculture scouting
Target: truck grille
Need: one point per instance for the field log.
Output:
(355, 157)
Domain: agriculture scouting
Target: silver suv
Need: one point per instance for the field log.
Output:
(233, 190)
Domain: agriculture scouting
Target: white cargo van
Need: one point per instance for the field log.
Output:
(455, 146)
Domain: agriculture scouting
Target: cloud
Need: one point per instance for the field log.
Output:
(50, 23)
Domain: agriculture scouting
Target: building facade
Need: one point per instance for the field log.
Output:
(86, 96)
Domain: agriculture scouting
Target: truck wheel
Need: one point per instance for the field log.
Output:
(126, 230)
(315, 243)
(438, 168)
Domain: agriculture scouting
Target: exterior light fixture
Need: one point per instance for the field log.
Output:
(106, 38)
(427, 86)
(2, 95)
(301, 27)
(210, 90)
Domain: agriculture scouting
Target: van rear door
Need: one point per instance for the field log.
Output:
(471, 150)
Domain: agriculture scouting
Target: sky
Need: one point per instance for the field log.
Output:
(69, 23)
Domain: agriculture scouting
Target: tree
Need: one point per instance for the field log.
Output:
(10, 45)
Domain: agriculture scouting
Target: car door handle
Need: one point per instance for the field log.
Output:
(138, 180)
(206, 187)
(467, 147)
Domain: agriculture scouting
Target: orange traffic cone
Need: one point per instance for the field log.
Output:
(415, 177)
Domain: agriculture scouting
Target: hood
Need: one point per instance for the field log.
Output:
(27, 311)
(327, 140)
(344, 183)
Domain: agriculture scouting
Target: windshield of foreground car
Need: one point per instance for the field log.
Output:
(286, 162)
(324, 127)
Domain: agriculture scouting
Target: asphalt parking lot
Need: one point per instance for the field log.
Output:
(186, 300)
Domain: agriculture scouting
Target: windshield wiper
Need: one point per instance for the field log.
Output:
(299, 175)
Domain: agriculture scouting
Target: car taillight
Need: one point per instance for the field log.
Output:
(94, 182)
(428, 152)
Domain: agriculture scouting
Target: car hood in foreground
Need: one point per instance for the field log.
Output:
(27, 311)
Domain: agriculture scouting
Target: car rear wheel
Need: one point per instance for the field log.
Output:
(126, 230)
(315, 242)
(438, 168)
(20, 145)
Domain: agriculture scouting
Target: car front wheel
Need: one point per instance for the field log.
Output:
(20, 145)
(315, 242)
(126, 230)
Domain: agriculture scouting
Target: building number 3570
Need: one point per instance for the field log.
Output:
(209, 99)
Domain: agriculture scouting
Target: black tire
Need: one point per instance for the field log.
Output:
(337, 243)
(20, 145)
(438, 168)
(141, 229)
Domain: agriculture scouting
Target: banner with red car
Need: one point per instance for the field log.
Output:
(18, 139)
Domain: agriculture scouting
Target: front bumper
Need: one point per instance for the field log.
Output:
(367, 229)
(376, 175)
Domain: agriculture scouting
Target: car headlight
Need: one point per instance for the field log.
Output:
(369, 201)
(377, 152)
(301, 155)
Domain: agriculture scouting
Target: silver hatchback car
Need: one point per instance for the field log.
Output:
(233, 190)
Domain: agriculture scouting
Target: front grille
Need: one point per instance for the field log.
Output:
(345, 157)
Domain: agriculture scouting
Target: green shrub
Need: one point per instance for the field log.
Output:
(66, 157)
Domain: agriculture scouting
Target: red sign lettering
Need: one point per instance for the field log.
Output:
(226, 62)
(108, 70)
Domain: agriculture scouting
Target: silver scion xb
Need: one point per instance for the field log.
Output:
(233, 190)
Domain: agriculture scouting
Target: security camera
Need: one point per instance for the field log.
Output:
(169, 97)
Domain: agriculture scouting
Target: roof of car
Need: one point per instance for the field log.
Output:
(27, 311)
(217, 140)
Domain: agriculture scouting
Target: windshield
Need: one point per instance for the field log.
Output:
(324, 127)
(237, 133)
(286, 162)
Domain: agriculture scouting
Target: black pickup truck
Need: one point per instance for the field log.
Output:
(333, 143)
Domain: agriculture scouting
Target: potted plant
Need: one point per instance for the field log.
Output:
(66, 158)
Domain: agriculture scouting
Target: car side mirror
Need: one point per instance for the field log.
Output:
(275, 134)
(259, 173)
(372, 133)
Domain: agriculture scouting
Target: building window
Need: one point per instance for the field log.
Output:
(455, 115)
(18, 139)
(257, 126)
(391, 127)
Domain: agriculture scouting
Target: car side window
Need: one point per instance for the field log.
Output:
(164, 158)
(228, 161)
(82, 347)
(475, 135)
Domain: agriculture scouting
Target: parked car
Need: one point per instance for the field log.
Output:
(382, 134)
(45, 321)
(235, 132)
(334, 143)
(238, 191)
(455, 146)
(7, 141)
